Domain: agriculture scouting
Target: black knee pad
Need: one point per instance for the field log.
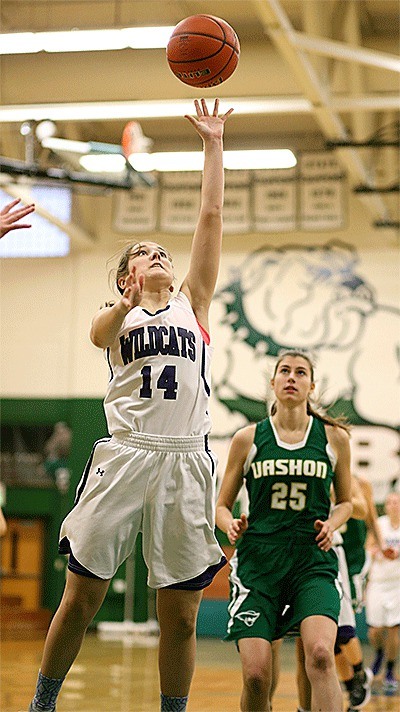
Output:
(344, 634)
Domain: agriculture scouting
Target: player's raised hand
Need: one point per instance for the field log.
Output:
(237, 528)
(9, 218)
(133, 290)
(208, 125)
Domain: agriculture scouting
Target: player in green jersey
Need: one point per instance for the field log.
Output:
(355, 677)
(354, 534)
(284, 572)
(349, 654)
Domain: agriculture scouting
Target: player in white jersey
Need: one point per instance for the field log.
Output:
(170, 393)
(155, 473)
(382, 604)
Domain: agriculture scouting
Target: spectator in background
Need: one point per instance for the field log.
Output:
(58, 446)
(56, 450)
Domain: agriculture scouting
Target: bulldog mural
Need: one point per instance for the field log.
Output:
(314, 299)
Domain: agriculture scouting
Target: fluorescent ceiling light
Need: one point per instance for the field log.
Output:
(270, 158)
(194, 160)
(108, 158)
(168, 161)
(168, 108)
(103, 163)
(67, 146)
(85, 40)
(63, 144)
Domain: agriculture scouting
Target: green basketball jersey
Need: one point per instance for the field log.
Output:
(288, 484)
(354, 534)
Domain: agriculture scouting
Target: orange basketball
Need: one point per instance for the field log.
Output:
(203, 51)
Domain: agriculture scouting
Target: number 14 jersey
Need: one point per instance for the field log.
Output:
(159, 373)
(288, 484)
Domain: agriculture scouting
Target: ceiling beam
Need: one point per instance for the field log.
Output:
(346, 52)
(282, 34)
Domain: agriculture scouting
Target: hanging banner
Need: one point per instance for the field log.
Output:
(135, 211)
(180, 202)
(179, 179)
(275, 206)
(309, 196)
(179, 209)
(237, 202)
(237, 178)
(322, 202)
(274, 200)
(319, 164)
(237, 209)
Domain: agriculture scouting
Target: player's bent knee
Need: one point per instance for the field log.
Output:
(257, 682)
(320, 659)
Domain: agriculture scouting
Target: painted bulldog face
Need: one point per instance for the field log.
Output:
(306, 297)
(311, 299)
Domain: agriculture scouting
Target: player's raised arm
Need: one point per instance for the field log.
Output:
(199, 283)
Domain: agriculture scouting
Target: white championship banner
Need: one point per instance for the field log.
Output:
(319, 164)
(135, 211)
(322, 204)
(310, 196)
(237, 199)
(237, 210)
(275, 200)
(180, 202)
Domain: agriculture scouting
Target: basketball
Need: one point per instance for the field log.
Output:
(203, 51)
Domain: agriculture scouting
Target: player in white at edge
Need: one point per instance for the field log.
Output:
(155, 473)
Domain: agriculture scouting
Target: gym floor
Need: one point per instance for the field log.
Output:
(121, 676)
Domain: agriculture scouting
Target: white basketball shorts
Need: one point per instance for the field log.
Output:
(161, 486)
(382, 603)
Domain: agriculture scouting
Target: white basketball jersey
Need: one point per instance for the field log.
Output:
(383, 569)
(160, 373)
